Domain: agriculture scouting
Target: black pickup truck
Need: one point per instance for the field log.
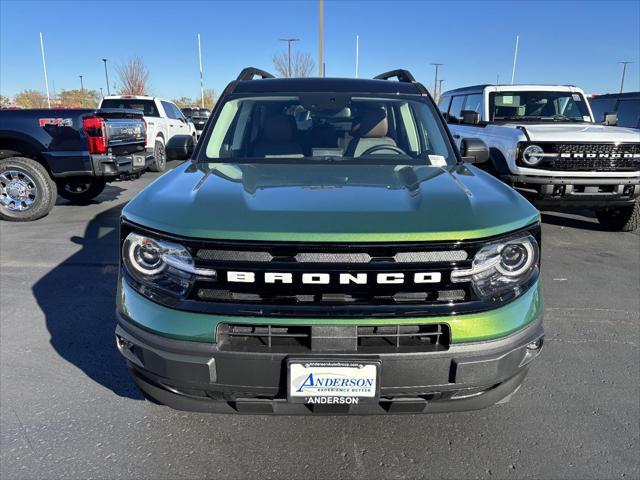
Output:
(70, 152)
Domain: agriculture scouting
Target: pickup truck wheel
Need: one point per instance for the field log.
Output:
(81, 192)
(624, 219)
(26, 190)
(159, 158)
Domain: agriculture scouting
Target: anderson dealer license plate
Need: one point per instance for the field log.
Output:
(333, 382)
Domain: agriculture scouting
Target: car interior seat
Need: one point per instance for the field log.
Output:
(368, 131)
(277, 138)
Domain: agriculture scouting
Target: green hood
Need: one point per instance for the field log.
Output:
(324, 203)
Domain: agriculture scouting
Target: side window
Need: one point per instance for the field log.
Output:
(177, 112)
(168, 109)
(443, 104)
(410, 127)
(456, 106)
(473, 102)
(629, 113)
(601, 106)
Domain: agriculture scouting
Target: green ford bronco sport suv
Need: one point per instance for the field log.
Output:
(327, 250)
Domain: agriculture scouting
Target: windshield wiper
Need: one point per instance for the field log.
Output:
(564, 118)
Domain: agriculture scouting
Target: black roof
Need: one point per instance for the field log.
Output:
(350, 85)
(618, 95)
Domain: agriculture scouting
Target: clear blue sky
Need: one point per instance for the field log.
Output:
(560, 42)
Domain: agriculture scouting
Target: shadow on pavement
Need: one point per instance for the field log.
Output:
(583, 220)
(110, 193)
(78, 301)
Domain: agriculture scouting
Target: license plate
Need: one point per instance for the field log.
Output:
(138, 160)
(333, 381)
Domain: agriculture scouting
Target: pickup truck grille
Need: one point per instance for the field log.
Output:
(585, 157)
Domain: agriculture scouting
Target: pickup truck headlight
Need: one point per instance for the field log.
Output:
(502, 267)
(160, 265)
(531, 155)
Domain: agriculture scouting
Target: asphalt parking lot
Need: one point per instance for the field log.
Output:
(68, 408)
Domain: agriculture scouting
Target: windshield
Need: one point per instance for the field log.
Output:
(328, 127)
(148, 107)
(551, 106)
(196, 112)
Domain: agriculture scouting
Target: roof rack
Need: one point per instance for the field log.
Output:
(401, 75)
(250, 72)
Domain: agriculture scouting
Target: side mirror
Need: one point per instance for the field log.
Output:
(180, 147)
(611, 119)
(474, 150)
(470, 116)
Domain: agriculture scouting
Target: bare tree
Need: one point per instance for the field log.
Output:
(302, 64)
(209, 98)
(134, 77)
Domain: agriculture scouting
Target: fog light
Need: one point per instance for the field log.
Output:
(123, 344)
(535, 345)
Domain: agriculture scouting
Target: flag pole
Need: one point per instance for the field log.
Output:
(201, 77)
(44, 65)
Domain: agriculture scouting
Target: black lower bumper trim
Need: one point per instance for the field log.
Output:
(577, 191)
(257, 406)
(200, 376)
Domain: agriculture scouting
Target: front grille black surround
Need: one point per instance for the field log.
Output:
(329, 301)
(609, 157)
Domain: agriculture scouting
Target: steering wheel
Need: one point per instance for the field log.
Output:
(376, 148)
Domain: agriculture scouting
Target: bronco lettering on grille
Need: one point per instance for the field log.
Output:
(341, 278)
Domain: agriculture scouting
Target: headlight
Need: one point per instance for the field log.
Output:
(160, 264)
(502, 267)
(531, 155)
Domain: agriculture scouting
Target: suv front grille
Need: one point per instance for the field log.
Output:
(326, 279)
(363, 339)
(602, 157)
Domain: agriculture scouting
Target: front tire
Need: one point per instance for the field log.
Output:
(159, 157)
(81, 192)
(26, 190)
(623, 219)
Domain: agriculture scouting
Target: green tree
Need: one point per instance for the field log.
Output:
(31, 99)
(3, 100)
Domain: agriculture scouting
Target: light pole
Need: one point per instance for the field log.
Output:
(320, 37)
(289, 41)
(435, 83)
(106, 75)
(624, 72)
(81, 83)
(440, 86)
(101, 94)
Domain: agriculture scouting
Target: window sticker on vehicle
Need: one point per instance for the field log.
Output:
(438, 160)
(586, 118)
(576, 97)
(507, 99)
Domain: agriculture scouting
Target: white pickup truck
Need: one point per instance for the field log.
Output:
(163, 118)
(543, 141)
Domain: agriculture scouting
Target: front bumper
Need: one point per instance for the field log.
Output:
(200, 376)
(577, 191)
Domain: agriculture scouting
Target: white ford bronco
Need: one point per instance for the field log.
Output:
(543, 142)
